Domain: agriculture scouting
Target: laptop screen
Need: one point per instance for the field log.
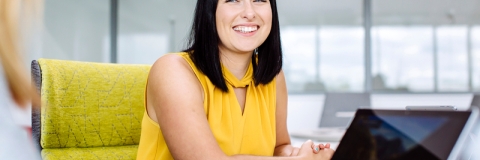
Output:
(389, 134)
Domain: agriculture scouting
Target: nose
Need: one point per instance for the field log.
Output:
(248, 12)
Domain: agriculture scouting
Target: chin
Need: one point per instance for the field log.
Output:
(246, 47)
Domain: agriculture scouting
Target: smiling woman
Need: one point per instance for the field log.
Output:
(225, 96)
(243, 25)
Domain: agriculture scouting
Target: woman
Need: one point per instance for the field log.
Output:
(16, 90)
(224, 97)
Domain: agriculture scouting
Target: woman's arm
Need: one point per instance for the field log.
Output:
(283, 146)
(176, 97)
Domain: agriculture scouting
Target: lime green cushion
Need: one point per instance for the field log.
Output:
(91, 104)
(121, 152)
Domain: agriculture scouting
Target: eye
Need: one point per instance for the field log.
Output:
(260, 1)
(231, 1)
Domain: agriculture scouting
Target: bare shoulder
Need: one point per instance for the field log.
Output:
(171, 67)
(172, 70)
(170, 62)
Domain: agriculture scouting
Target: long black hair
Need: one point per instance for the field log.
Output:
(203, 47)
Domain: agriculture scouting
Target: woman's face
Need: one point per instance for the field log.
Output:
(243, 25)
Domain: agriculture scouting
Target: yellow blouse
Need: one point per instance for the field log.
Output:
(252, 133)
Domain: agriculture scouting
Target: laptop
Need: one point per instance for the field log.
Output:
(338, 111)
(406, 134)
(474, 144)
(475, 101)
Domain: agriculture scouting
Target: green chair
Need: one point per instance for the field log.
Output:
(89, 110)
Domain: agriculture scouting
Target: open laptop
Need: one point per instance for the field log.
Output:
(475, 101)
(338, 111)
(474, 145)
(404, 134)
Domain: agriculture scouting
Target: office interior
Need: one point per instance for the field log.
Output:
(402, 52)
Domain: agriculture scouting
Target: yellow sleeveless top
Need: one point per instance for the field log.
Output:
(252, 133)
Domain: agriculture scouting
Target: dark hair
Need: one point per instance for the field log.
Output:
(203, 47)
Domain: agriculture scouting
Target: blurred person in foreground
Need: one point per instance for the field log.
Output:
(16, 88)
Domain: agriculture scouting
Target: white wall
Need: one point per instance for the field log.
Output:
(75, 30)
(151, 29)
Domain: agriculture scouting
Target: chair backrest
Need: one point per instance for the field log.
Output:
(88, 104)
(339, 108)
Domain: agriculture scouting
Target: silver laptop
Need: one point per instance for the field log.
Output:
(474, 145)
(338, 111)
(406, 134)
(475, 101)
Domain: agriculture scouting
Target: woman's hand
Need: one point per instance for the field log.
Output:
(305, 152)
(293, 151)
(317, 147)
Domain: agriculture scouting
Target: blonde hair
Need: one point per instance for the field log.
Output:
(19, 82)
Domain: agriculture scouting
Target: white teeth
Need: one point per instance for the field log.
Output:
(245, 29)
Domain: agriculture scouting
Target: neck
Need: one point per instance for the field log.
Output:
(236, 62)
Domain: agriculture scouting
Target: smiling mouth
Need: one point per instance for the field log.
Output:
(246, 29)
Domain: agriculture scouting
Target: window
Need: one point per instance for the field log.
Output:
(402, 58)
(452, 58)
(322, 45)
(342, 58)
(475, 41)
(300, 58)
(416, 45)
(424, 45)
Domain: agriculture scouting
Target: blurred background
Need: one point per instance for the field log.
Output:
(340, 46)
(398, 50)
